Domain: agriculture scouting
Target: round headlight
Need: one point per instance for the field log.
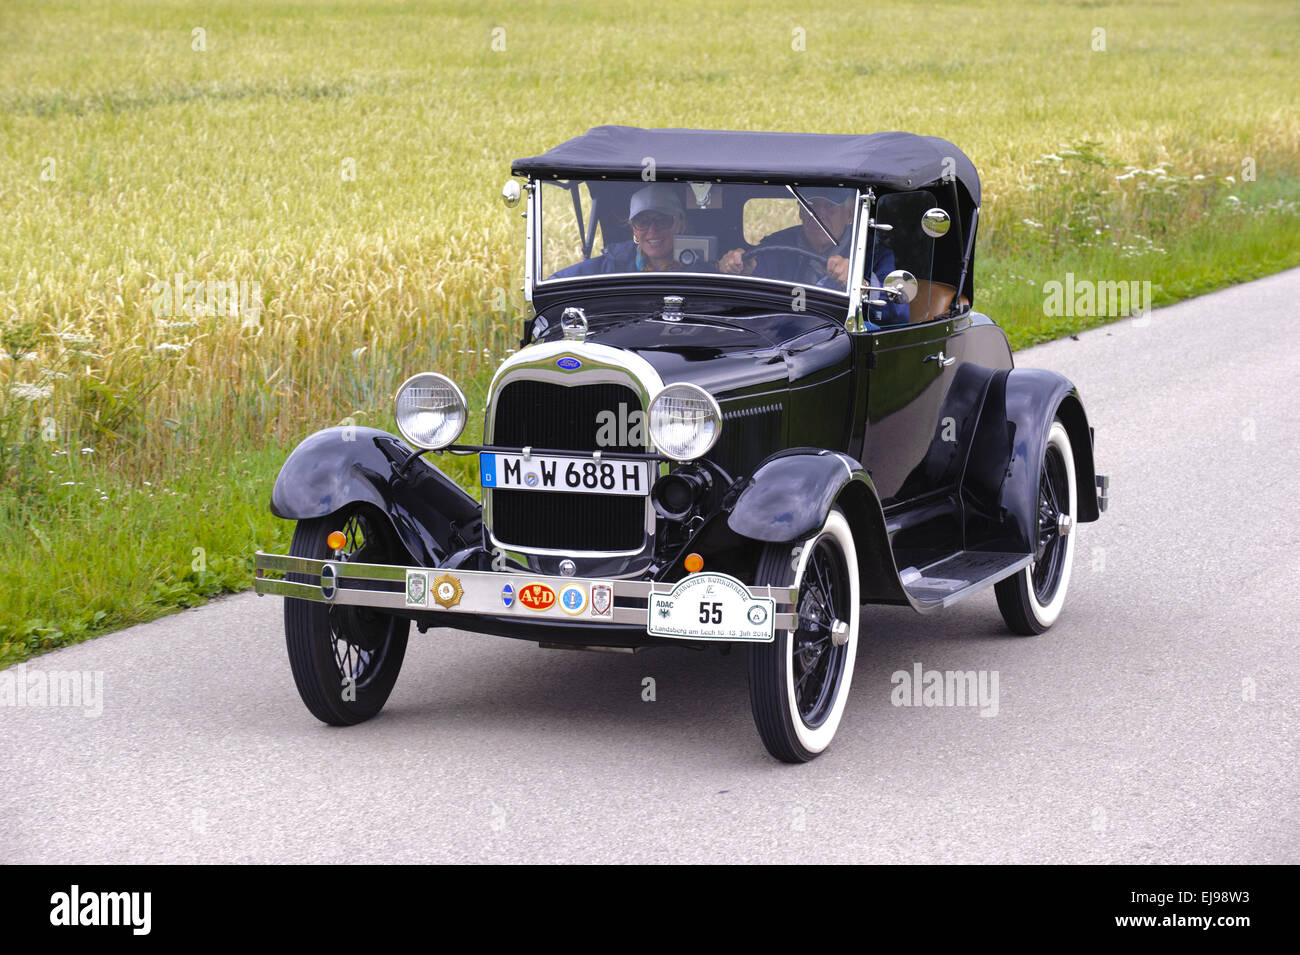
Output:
(431, 411)
(685, 422)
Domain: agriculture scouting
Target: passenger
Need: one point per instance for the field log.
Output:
(834, 207)
(656, 216)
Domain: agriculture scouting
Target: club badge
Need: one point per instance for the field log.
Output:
(537, 597)
(573, 599)
(602, 600)
(417, 588)
(447, 591)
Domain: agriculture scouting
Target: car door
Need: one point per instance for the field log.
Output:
(908, 381)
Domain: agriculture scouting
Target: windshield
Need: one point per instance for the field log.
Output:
(597, 227)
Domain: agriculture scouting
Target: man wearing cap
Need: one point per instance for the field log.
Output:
(656, 216)
(834, 208)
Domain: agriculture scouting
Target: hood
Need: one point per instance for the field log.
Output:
(728, 351)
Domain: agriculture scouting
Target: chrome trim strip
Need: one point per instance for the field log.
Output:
(537, 356)
(530, 244)
(861, 222)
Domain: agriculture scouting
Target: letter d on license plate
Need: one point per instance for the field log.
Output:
(712, 607)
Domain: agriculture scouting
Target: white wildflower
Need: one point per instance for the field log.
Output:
(169, 346)
(28, 392)
(1032, 224)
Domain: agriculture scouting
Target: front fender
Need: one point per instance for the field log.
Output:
(347, 465)
(789, 497)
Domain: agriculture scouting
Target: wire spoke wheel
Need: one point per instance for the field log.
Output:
(799, 683)
(345, 659)
(1053, 493)
(818, 663)
(1031, 600)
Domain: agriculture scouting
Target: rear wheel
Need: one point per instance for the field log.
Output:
(1031, 600)
(799, 683)
(345, 660)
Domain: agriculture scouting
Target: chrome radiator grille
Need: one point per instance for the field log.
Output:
(543, 415)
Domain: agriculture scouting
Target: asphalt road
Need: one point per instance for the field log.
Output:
(1156, 722)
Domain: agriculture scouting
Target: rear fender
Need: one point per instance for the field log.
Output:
(1000, 487)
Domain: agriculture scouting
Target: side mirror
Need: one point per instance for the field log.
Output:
(935, 223)
(511, 192)
(901, 285)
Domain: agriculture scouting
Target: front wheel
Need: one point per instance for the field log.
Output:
(799, 683)
(1031, 600)
(345, 660)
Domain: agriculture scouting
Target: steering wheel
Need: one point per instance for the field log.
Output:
(815, 256)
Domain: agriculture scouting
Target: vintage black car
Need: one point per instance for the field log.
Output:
(752, 397)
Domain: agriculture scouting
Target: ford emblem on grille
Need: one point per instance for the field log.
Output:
(569, 364)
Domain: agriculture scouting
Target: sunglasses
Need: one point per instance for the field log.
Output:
(650, 220)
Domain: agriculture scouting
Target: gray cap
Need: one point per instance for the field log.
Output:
(834, 194)
(658, 197)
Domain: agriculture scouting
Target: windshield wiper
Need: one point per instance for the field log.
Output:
(807, 208)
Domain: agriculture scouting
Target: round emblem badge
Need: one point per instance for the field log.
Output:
(573, 599)
(530, 480)
(757, 614)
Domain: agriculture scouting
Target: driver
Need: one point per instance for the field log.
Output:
(834, 207)
(656, 216)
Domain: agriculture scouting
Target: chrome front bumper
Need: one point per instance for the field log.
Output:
(476, 592)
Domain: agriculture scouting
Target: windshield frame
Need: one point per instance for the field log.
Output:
(533, 263)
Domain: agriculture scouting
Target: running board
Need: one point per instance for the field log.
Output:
(954, 578)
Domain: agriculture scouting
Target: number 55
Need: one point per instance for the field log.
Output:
(710, 612)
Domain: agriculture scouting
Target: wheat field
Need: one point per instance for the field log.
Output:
(230, 224)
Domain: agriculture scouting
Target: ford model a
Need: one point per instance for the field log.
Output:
(752, 401)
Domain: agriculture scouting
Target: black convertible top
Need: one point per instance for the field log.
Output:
(897, 161)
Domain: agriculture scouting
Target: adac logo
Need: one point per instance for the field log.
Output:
(537, 597)
(569, 364)
(573, 599)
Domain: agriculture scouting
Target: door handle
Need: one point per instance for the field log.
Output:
(943, 362)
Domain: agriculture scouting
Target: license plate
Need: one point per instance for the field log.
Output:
(573, 475)
(712, 607)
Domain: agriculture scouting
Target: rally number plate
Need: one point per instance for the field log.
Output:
(712, 607)
(574, 475)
